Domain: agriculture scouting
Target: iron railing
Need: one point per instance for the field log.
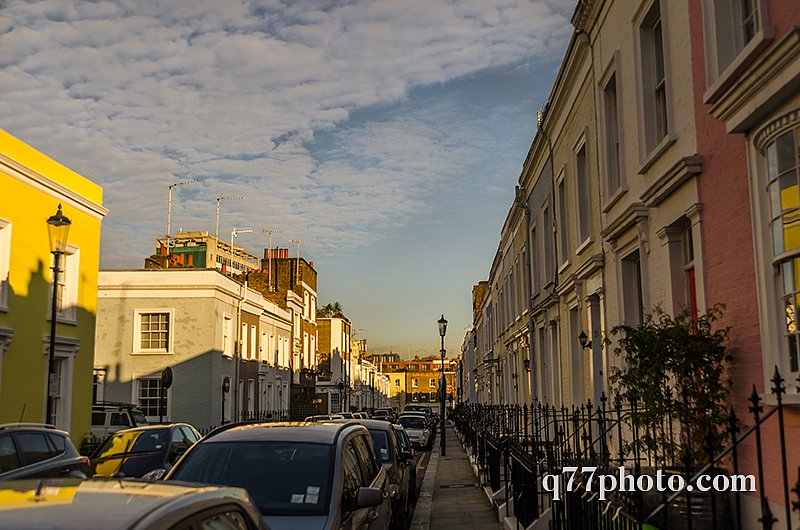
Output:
(516, 447)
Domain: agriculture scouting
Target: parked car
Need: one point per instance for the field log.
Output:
(396, 463)
(71, 504)
(425, 409)
(146, 452)
(110, 416)
(382, 415)
(405, 446)
(300, 475)
(319, 417)
(34, 450)
(418, 430)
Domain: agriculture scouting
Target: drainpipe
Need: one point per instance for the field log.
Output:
(237, 354)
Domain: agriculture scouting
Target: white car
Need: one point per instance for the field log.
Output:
(416, 425)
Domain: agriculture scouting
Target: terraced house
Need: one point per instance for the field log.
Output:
(663, 175)
(40, 187)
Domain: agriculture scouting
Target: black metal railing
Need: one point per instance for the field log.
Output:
(520, 446)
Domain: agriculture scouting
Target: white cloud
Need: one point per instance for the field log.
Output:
(136, 93)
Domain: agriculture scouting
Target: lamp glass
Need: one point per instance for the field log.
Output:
(442, 326)
(58, 230)
(582, 339)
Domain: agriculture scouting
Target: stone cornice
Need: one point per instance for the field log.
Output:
(672, 179)
(60, 192)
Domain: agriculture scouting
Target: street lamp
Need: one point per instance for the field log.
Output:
(442, 331)
(58, 230)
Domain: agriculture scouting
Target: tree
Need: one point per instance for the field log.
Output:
(329, 310)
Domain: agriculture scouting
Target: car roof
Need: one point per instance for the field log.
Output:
(372, 425)
(32, 427)
(153, 427)
(312, 432)
(74, 504)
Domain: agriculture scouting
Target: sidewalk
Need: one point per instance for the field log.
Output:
(450, 498)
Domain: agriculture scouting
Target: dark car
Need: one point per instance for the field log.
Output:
(70, 504)
(146, 452)
(405, 447)
(396, 463)
(300, 475)
(318, 417)
(32, 450)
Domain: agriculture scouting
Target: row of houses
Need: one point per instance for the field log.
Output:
(240, 336)
(419, 380)
(663, 174)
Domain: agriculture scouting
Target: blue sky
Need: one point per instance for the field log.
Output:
(389, 134)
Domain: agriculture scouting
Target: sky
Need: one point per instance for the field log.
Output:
(389, 134)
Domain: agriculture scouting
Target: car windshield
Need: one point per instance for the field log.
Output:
(135, 442)
(283, 478)
(410, 422)
(381, 444)
(139, 418)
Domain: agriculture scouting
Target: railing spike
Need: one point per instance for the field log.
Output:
(754, 398)
(778, 387)
(767, 520)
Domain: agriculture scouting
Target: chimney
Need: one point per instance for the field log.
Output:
(311, 264)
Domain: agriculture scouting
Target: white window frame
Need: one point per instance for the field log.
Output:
(772, 316)
(562, 226)
(582, 215)
(135, 388)
(137, 332)
(227, 335)
(66, 349)
(5, 263)
(414, 383)
(611, 196)
(69, 268)
(253, 342)
(720, 77)
(650, 148)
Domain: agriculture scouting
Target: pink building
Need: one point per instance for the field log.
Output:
(746, 77)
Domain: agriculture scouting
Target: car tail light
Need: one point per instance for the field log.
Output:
(84, 460)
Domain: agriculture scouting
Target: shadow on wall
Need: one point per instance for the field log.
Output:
(25, 362)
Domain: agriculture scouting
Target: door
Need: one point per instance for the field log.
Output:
(353, 518)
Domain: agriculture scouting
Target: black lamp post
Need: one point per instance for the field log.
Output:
(58, 230)
(442, 331)
(341, 396)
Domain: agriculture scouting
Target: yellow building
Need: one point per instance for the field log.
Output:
(31, 188)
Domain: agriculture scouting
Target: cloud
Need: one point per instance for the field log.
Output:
(135, 94)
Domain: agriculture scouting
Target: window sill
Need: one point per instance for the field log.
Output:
(68, 321)
(152, 352)
(3, 308)
(789, 400)
(563, 266)
(616, 196)
(728, 76)
(582, 246)
(656, 152)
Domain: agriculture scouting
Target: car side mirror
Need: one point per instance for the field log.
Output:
(406, 456)
(369, 497)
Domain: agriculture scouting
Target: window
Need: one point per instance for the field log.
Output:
(5, 260)
(59, 393)
(734, 31)
(432, 382)
(547, 246)
(583, 211)
(34, 447)
(534, 262)
(654, 82)
(611, 129)
(227, 336)
(153, 331)
(98, 385)
(67, 288)
(397, 383)
(148, 393)
(253, 343)
(784, 192)
(562, 227)
(8, 454)
(243, 342)
(414, 383)
(633, 306)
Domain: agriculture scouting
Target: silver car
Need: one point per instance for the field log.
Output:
(418, 430)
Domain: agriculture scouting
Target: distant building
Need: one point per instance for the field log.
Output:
(200, 250)
(197, 322)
